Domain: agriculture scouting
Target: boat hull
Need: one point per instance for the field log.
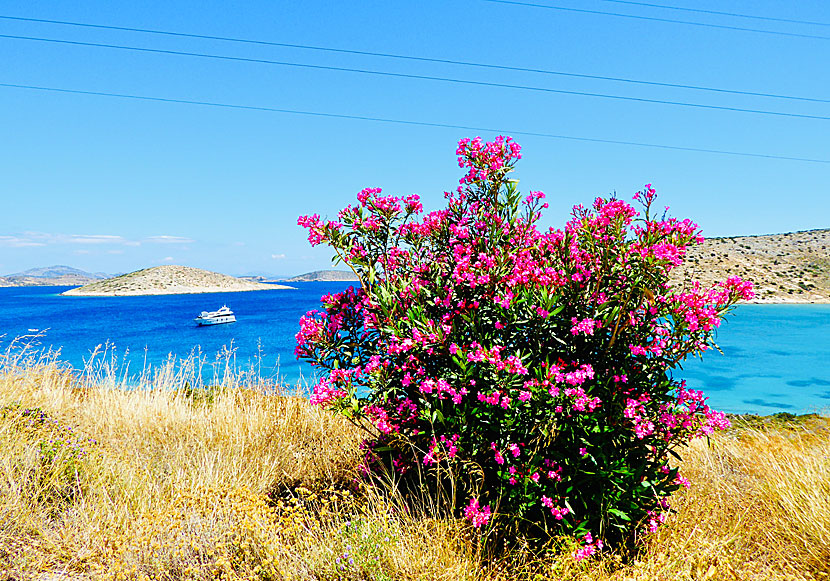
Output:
(215, 321)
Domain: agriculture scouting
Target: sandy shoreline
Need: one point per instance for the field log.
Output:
(781, 301)
(174, 291)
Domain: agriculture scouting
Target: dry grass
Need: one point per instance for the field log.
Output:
(244, 482)
(759, 508)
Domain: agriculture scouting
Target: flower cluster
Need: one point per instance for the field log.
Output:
(588, 548)
(478, 516)
(483, 347)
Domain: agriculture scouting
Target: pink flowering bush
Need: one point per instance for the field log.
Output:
(527, 371)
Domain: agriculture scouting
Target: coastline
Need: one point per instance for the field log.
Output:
(173, 291)
(207, 290)
(782, 301)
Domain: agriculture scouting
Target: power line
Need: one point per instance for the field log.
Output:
(411, 123)
(415, 58)
(656, 19)
(719, 13)
(420, 77)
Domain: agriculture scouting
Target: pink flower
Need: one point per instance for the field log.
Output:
(655, 519)
(584, 327)
(638, 350)
(325, 393)
(477, 516)
(315, 226)
(683, 481)
(497, 455)
(741, 288)
(589, 547)
(381, 419)
(668, 252)
(557, 512)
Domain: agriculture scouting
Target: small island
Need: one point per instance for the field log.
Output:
(325, 276)
(168, 280)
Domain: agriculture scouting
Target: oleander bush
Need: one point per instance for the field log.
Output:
(523, 377)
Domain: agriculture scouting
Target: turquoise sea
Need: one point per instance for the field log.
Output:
(775, 357)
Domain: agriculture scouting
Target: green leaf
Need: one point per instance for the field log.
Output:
(619, 514)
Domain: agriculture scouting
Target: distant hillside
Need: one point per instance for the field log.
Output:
(58, 270)
(57, 275)
(324, 275)
(167, 280)
(785, 268)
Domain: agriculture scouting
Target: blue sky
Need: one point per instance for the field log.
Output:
(110, 184)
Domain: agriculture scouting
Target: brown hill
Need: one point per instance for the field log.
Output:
(168, 280)
(58, 275)
(785, 268)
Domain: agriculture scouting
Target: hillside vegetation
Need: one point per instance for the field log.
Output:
(169, 279)
(785, 268)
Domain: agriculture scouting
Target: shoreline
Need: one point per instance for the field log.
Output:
(176, 291)
(783, 302)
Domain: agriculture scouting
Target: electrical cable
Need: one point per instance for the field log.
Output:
(421, 77)
(413, 58)
(719, 13)
(656, 19)
(412, 123)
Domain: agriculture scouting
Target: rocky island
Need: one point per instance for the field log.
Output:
(324, 275)
(168, 280)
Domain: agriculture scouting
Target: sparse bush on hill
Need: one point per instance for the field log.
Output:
(522, 377)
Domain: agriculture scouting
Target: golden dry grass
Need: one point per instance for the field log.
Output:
(252, 484)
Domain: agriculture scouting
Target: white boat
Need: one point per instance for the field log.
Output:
(223, 315)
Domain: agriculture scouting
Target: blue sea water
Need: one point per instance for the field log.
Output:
(775, 357)
(152, 328)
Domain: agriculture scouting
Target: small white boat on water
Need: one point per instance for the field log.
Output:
(223, 315)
